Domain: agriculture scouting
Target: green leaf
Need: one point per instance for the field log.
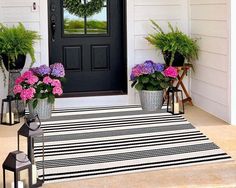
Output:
(151, 88)
(164, 85)
(160, 76)
(145, 80)
(155, 82)
(35, 103)
(51, 98)
(139, 86)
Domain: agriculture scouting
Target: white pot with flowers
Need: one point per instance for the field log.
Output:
(39, 86)
(150, 79)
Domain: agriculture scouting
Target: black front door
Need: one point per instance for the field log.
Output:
(92, 48)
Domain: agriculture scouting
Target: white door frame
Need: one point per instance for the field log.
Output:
(92, 101)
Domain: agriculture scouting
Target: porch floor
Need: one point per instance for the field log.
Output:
(218, 175)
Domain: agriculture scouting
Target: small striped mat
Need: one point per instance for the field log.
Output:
(94, 142)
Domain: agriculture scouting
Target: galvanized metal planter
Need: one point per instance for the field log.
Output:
(43, 109)
(151, 100)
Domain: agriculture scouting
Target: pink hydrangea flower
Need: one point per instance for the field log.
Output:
(27, 75)
(19, 80)
(171, 72)
(56, 83)
(17, 89)
(32, 90)
(57, 91)
(27, 94)
(47, 80)
(32, 80)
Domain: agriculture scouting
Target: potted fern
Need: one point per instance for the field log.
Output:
(175, 46)
(15, 43)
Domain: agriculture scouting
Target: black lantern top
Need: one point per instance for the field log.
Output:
(16, 161)
(31, 128)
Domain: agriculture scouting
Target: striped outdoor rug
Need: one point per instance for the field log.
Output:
(93, 142)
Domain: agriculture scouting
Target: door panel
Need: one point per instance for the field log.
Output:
(92, 49)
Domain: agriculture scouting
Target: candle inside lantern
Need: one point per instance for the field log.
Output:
(176, 108)
(34, 174)
(7, 117)
(20, 184)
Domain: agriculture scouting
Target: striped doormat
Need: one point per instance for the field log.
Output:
(94, 142)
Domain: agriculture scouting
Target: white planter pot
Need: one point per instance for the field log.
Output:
(151, 100)
(43, 109)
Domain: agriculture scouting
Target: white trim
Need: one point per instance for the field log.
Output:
(130, 46)
(44, 32)
(93, 101)
(232, 67)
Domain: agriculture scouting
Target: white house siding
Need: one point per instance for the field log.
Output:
(210, 81)
(139, 12)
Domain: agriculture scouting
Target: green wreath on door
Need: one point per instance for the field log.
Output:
(77, 8)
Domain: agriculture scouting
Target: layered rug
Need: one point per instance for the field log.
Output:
(94, 142)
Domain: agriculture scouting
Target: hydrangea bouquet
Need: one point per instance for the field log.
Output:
(152, 76)
(40, 83)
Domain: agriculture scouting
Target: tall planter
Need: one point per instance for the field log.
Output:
(151, 100)
(43, 109)
(14, 69)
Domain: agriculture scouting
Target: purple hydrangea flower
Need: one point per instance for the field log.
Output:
(57, 70)
(42, 70)
(158, 67)
(136, 72)
(147, 67)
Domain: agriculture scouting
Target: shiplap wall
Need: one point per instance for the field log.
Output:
(162, 11)
(210, 81)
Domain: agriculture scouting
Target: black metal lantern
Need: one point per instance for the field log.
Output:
(9, 112)
(32, 130)
(175, 103)
(16, 162)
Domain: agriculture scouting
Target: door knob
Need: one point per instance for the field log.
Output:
(53, 27)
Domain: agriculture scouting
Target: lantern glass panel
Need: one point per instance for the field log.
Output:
(23, 181)
(170, 101)
(10, 113)
(175, 103)
(179, 102)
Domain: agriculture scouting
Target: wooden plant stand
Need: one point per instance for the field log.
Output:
(182, 73)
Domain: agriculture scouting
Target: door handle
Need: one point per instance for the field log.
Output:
(53, 27)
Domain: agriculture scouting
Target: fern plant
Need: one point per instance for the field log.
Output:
(173, 41)
(17, 40)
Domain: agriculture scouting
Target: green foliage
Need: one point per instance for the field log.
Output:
(153, 82)
(17, 40)
(174, 41)
(96, 24)
(78, 25)
(73, 24)
(76, 7)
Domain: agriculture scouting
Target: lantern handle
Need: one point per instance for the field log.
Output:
(39, 125)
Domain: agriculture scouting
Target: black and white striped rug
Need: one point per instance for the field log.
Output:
(86, 143)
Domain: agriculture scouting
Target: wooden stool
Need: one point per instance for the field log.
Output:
(182, 73)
